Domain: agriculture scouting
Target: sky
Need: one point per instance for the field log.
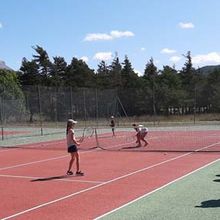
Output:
(95, 30)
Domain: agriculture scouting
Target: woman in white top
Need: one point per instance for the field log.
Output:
(141, 134)
(72, 144)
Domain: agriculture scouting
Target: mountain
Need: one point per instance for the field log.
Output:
(206, 70)
(4, 66)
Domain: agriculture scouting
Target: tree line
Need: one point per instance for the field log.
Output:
(165, 91)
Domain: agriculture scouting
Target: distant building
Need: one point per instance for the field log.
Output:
(4, 66)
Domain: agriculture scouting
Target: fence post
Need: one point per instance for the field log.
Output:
(84, 106)
(97, 107)
(194, 113)
(71, 102)
(1, 116)
(39, 102)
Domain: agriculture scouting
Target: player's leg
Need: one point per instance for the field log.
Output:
(69, 172)
(78, 172)
(113, 131)
(138, 135)
(143, 138)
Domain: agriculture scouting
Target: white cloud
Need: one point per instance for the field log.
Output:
(187, 25)
(103, 56)
(168, 51)
(1, 26)
(204, 59)
(156, 61)
(119, 34)
(85, 59)
(175, 59)
(98, 36)
(143, 48)
(103, 36)
(138, 72)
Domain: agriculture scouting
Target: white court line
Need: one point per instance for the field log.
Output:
(54, 158)
(33, 162)
(67, 179)
(100, 185)
(40, 161)
(160, 188)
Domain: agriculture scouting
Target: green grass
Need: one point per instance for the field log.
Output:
(194, 197)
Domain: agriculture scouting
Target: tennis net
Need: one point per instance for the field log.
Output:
(163, 141)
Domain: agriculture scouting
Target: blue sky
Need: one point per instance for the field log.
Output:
(95, 30)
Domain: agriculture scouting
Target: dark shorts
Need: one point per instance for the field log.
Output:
(72, 148)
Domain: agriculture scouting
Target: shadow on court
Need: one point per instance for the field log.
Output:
(217, 180)
(50, 178)
(210, 204)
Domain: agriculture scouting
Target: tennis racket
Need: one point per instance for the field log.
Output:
(87, 133)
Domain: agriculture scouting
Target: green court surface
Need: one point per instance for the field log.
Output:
(195, 196)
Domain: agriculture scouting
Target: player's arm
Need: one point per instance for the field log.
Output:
(74, 139)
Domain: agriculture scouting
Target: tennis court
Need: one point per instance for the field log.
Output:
(172, 178)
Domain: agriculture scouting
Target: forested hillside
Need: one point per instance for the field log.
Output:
(163, 91)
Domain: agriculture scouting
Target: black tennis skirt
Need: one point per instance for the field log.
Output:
(72, 148)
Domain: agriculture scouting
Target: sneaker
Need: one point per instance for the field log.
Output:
(69, 172)
(79, 173)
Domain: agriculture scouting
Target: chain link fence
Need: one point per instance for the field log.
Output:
(44, 110)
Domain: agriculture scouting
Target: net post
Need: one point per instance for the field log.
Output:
(96, 138)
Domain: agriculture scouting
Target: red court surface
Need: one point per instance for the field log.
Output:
(33, 183)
